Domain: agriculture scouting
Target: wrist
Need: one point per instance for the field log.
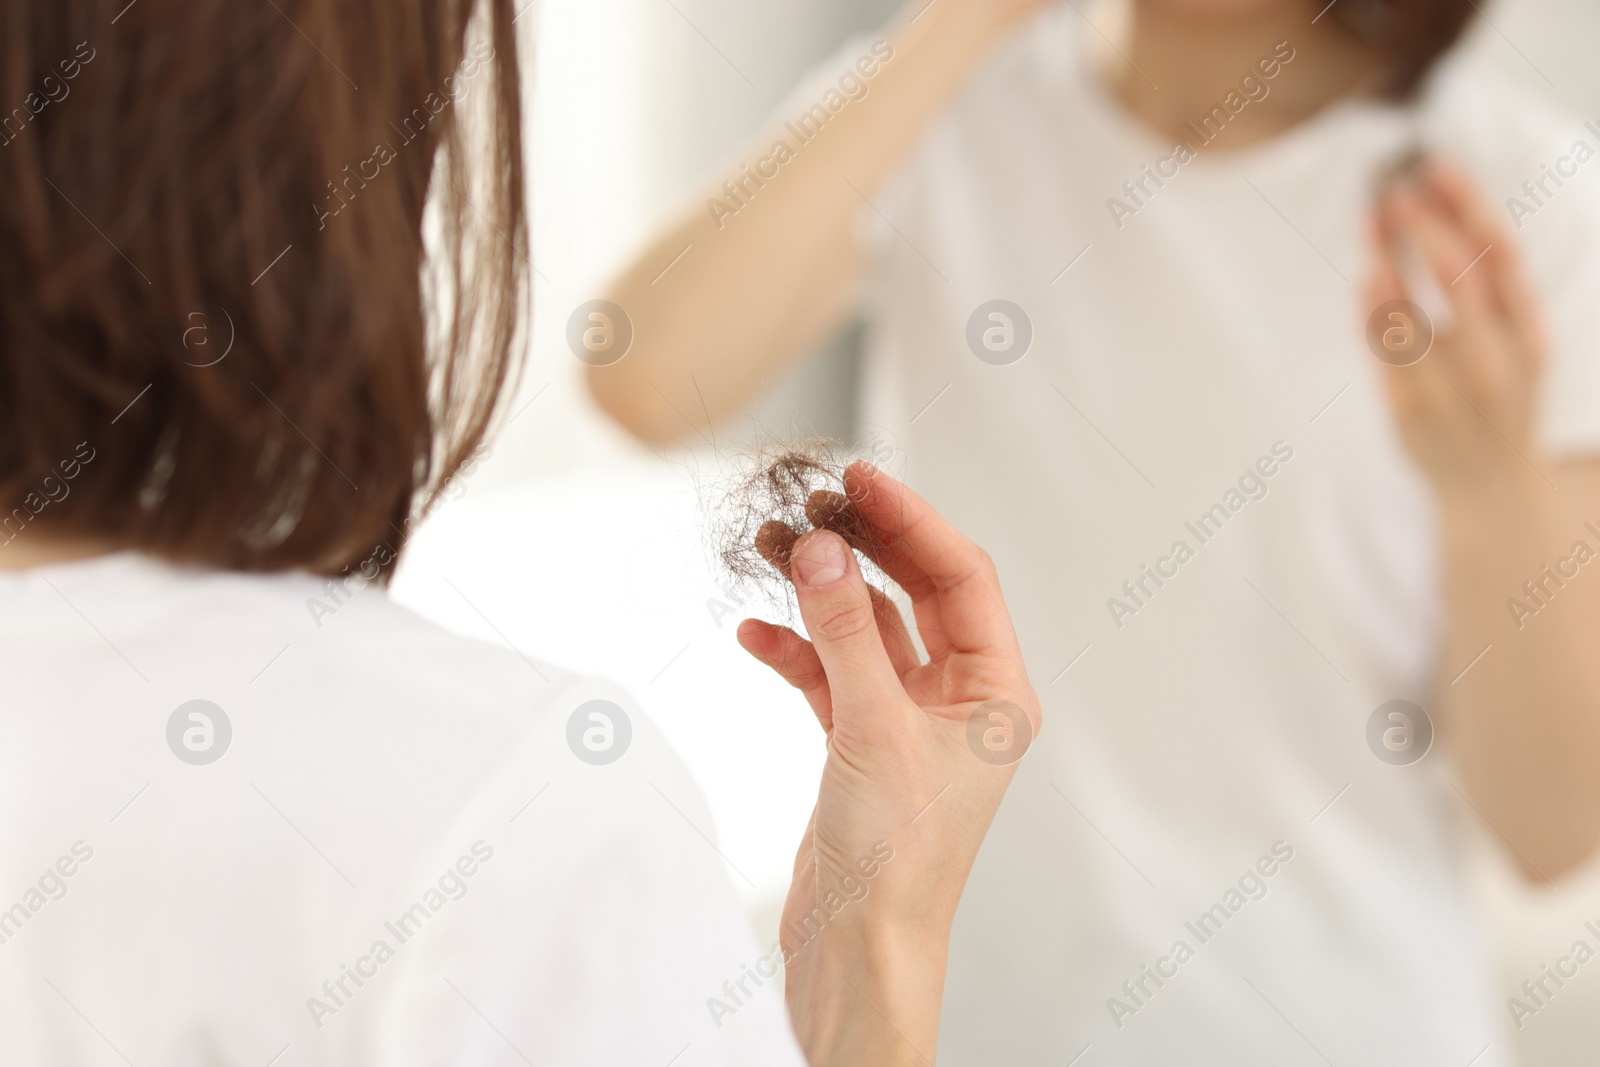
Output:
(1496, 537)
(1494, 502)
(869, 993)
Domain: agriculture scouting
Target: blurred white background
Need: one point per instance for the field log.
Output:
(583, 548)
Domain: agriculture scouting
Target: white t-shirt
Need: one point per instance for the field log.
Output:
(398, 858)
(1222, 711)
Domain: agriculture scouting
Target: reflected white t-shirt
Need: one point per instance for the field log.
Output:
(1214, 331)
(399, 857)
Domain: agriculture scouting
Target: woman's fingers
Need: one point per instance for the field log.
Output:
(842, 623)
(952, 583)
(775, 541)
(1387, 284)
(859, 648)
(933, 563)
(1484, 359)
(1484, 230)
(1486, 365)
(896, 640)
(828, 510)
(1417, 387)
(793, 659)
(1445, 249)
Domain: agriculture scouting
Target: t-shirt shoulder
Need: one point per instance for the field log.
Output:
(609, 902)
(605, 893)
(495, 839)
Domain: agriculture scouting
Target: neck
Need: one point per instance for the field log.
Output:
(1183, 63)
(32, 549)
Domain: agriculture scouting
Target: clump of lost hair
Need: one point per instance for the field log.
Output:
(774, 495)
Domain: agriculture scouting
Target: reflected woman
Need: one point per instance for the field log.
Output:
(1137, 319)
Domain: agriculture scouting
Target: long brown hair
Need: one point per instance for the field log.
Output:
(224, 338)
(1410, 35)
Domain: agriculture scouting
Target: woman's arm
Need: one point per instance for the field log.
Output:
(1524, 720)
(919, 756)
(766, 274)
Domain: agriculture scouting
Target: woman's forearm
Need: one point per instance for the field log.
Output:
(1524, 720)
(762, 267)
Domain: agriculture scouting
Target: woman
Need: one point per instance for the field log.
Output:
(256, 813)
(1126, 325)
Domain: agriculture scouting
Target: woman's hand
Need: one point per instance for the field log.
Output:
(1466, 410)
(1521, 725)
(919, 756)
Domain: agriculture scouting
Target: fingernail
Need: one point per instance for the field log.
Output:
(819, 559)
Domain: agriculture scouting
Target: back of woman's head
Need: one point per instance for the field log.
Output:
(213, 272)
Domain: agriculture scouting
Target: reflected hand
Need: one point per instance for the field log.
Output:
(1466, 410)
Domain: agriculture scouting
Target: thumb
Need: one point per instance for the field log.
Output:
(839, 617)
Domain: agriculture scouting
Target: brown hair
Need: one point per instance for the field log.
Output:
(1410, 35)
(219, 321)
(766, 498)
